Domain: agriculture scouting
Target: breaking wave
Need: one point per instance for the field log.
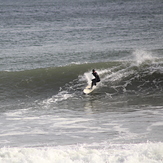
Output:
(143, 75)
(146, 153)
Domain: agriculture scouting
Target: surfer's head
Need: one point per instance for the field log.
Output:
(93, 70)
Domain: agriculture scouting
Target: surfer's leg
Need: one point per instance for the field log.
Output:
(93, 83)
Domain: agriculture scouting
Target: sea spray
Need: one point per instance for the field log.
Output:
(141, 56)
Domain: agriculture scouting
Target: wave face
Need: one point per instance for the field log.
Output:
(141, 77)
(35, 82)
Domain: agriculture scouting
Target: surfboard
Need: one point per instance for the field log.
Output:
(88, 89)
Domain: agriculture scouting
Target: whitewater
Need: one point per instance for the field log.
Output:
(47, 52)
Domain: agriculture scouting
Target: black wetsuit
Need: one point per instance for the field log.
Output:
(97, 79)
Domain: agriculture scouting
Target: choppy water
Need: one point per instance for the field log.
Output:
(47, 51)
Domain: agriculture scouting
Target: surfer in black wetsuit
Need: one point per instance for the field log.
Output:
(96, 79)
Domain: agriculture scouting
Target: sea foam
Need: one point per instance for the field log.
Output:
(124, 153)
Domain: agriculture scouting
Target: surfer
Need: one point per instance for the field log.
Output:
(96, 79)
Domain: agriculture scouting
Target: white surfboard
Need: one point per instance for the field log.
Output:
(88, 89)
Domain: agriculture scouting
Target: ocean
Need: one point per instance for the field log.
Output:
(48, 49)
